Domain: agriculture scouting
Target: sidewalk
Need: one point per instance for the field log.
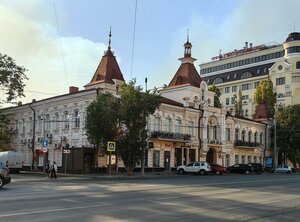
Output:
(102, 176)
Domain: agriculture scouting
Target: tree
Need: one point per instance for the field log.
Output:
(217, 92)
(136, 106)
(238, 104)
(264, 94)
(102, 120)
(288, 130)
(5, 133)
(122, 118)
(11, 78)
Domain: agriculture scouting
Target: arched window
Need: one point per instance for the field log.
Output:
(168, 126)
(218, 80)
(178, 126)
(243, 136)
(157, 123)
(298, 65)
(261, 138)
(246, 112)
(56, 120)
(67, 120)
(249, 136)
(236, 134)
(215, 132)
(246, 75)
(255, 137)
(77, 118)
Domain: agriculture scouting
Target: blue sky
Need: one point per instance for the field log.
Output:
(64, 50)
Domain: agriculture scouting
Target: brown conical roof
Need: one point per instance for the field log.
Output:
(186, 74)
(262, 111)
(107, 70)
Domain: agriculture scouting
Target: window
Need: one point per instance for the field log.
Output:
(228, 134)
(227, 101)
(227, 89)
(208, 136)
(236, 134)
(280, 81)
(261, 138)
(157, 123)
(235, 75)
(232, 100)
(246, 86)
(30, 125)
(249, 159)
(256, 84)
(246, 75)
(215, 132)
(245, 97)
(156, 157)
(191, 128)
(39, 124)
(77, 118)
(258, 71)
(298, 65)
(236, 159)
(23, 126)
(243, 159)
(217, 80)
(294, 49)
(56, 120)
(178, 126)
(246, 112)
(67, 120)
(243, 136)
(255, 137)
(168, 124)
(47, 122)
(249, 136)
(233, 88)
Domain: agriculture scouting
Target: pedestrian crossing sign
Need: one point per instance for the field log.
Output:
(111, 146)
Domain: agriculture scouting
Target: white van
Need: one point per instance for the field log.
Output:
(12, 159)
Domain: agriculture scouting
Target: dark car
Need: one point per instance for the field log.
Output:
(217, 169)
(256, 167)
(238, 168)
(4, 175)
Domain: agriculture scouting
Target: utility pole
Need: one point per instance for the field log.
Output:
(143, 146)
(275, 142)
(33, 136)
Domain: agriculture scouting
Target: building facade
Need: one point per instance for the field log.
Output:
(185, 128)
(242, 70)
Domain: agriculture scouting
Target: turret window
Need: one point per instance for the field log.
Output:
(298, 65)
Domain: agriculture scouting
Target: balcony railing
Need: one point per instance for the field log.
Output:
(244, 143)
(171, 136)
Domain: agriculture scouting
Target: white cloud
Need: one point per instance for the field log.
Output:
(53, 62)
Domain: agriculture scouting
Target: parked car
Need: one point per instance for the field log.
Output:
(238, 168)
(217, 169)
(256, 167)
(195, 167)
(283, 169)
(4, 175)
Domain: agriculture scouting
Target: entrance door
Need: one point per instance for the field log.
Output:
(167, 160)
(210, 156)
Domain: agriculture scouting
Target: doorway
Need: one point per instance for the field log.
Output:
(167, 160)
(211, 156)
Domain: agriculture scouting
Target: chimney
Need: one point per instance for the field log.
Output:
(33, 100)
(250, 45)
(246, 45)
(19, 103)
(73, 89)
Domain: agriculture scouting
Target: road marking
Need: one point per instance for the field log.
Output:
(54, 210)
(69, 200)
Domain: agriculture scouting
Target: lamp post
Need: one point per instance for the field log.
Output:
(275, 140)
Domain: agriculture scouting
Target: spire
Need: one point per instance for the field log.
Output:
(109, 41)
(187, 47)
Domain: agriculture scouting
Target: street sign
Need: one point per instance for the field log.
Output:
(45, 143)
(45, 150)
(67, 151)
(111, 146)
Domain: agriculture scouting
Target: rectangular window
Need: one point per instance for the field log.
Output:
(23, 126)
(227, 101)
(245, 97)
(236, 159)
(191, 128)
(67, 120)
(280, 81)
(227, 89)
(168, 126)
(56, 121)
(156, 157)
(256, 84)
(178, 126)
(232, 100)
(228, 134)
(246, 86)
(77, 119)
(157, 123)
(234, 89)
(47, 122)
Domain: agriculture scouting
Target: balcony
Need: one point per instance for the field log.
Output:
(241, 143)
(170, 136)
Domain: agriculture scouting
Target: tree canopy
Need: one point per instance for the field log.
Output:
(217, 92)
(5, 133)
(288, 133)
(264, 94)
(122, 118)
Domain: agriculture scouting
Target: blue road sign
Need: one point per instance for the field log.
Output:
(45, 143)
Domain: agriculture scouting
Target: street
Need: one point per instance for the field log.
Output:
(267, 197)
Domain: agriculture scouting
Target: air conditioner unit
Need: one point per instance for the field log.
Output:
(49, 135)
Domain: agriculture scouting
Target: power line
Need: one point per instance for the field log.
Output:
(60, 43)
(133, 38)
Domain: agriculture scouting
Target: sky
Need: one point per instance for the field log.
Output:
(61, 42)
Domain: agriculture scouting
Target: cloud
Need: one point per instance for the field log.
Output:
(54, 62)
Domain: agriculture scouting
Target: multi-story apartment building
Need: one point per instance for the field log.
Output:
(185, 128)
(242, 70)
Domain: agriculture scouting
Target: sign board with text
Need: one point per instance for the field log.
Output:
(66, 151)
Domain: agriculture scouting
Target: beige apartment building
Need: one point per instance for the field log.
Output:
(243, 70)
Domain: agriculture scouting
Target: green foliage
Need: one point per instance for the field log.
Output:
(264, 94)
(288, 132)
(238, 104)
(11, 78)
(5, 133)
(217, 92)
(122, 118)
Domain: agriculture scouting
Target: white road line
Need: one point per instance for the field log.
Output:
(54, 210)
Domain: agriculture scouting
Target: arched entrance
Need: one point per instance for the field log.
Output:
(211, 156)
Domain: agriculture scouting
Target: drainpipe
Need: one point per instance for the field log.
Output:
(33, 137)
(199, 137)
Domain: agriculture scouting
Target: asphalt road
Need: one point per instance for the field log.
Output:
(267, 197)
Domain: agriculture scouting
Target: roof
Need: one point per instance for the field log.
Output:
(262, 111)
(170, 102)
(293, 36)
(107, 70)
(186, 74)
